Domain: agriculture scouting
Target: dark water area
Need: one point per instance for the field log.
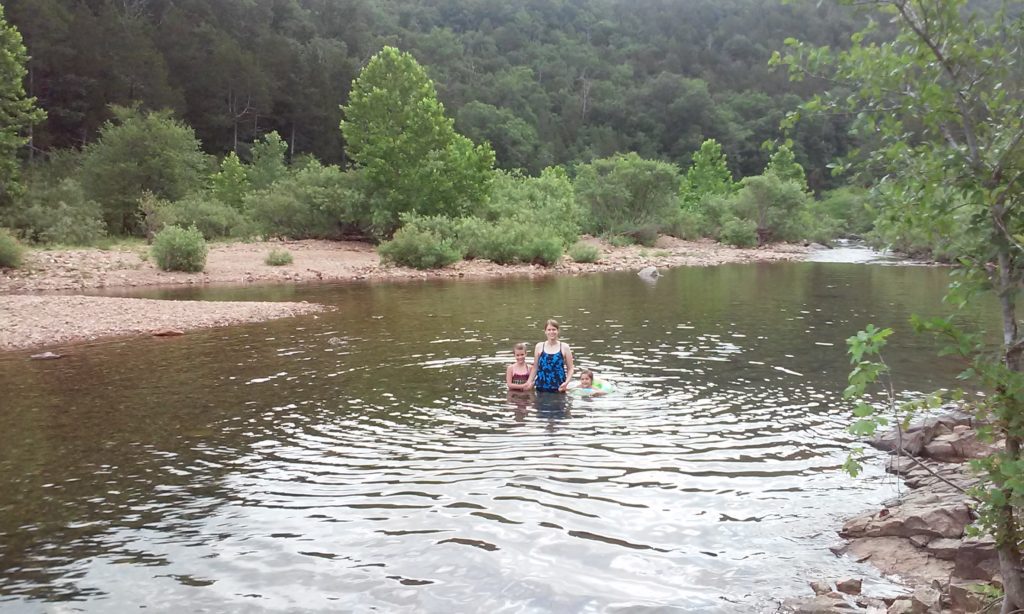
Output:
(369, 459)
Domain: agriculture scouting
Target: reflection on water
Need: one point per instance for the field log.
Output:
(371, 459)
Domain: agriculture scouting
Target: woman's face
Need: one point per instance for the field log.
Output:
(551, 332)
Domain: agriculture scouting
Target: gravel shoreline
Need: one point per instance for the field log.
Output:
(28, 321)
(33, 316)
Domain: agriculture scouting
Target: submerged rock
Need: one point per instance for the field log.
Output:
(649, 273)
(46, 356)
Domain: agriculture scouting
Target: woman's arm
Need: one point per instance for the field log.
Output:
(567, 354)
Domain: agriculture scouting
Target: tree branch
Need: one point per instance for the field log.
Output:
(912, 20)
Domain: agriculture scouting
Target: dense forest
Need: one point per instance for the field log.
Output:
(545, 82)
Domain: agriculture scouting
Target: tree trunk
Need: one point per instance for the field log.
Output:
(1007, 532)
(31, 126)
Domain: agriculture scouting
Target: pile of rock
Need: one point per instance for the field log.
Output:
(921, 536)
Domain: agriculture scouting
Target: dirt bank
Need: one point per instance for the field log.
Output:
(32, 315)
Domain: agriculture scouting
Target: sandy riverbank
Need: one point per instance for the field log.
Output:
(31, 315)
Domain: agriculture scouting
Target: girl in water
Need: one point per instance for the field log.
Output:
(517, 375)
(552, 361)
(590, 386)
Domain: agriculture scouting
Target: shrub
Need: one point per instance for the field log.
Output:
(315, 202)
(620, 240)
(474, 236)
(180, 249)
(645, 235)
(542, 248)
(83, 226)
(850, 206)
(58, 213)
(511, 240)
(212, 217)
(11, 252)
(687, 224)
(549, 197)
(739, 233)
(585, 252)
(779, 208)
(419, 249)
(504, 241)
(278, 257)
(627, 191)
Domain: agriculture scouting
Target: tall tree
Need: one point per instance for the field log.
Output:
(708, 175)
(938, 97)
(140, 152)
(396, 129)
(17, 110)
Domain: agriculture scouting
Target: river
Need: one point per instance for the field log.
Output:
(369, 459)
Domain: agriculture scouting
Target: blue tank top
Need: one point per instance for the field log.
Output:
(550, 371)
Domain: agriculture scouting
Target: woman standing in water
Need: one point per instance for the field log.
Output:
(552, 361)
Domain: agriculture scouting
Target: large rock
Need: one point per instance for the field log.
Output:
(822, 604)
(944, 548)
(897, 556)
(917, 476)
(963, 597)
(940, 518)
(900, 606)
(958, 446)
(918, 435)
(976, 559)
(649, 272)
(926, 600)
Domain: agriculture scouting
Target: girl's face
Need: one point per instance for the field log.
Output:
(551, 332)
(587, 380)
(520, 356)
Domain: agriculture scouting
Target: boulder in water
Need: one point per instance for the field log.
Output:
(649, 272)
(46, 356)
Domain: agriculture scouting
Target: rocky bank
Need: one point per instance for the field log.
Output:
(921, 537)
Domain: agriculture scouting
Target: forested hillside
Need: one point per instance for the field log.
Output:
(546, 82)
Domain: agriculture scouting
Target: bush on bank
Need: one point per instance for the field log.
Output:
(11, 252)
(419, 248)
(278, 257)
(58, 213)
(180, 249)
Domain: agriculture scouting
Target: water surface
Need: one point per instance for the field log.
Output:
(369, 459)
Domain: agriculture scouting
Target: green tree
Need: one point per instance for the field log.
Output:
(708, 175)
(140, 152)
(783, 165)
(231, 183)
(938, 101)
(395, 128)
(17, 111)
(268, 161)
(515, 142)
